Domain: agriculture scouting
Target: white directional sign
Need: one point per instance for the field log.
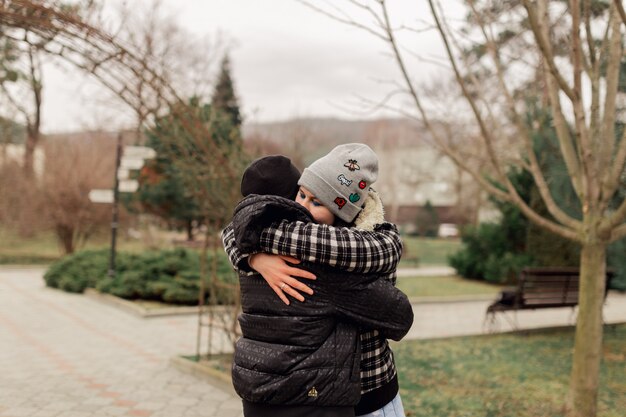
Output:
(128, 186)
(101, 196)
(122, 174)
(139, 152)
(131, 163)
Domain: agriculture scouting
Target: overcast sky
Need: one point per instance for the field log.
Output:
(287, 60)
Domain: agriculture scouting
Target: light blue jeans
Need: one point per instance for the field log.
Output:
(392, 409)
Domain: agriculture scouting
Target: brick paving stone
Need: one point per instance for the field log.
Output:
(22, 411)
(76, 414)
(47, 413)
(57, 406)
(151, 406)
(140, 413)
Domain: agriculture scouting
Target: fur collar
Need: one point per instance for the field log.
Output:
(372, 214)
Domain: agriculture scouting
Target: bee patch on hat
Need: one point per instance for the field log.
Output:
(352, 165)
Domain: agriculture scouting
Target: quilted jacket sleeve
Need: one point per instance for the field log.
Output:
(367, 300)
(256, 212)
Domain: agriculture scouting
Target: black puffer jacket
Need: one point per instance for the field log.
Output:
(306, 353)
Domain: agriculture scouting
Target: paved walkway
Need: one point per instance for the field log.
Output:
(69, 355)
(466, 318)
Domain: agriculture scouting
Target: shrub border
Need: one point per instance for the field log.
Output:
(137, 310)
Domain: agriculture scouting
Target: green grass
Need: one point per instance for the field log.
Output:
(430, 251)
(445, 286)
(507, 375)
(43, 248)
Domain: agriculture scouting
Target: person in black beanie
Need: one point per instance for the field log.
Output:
(271, 175)
(285, 372)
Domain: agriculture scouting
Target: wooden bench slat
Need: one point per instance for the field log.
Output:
(551, 288)
(544, 288)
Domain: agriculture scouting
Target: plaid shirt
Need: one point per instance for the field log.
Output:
(348, 249)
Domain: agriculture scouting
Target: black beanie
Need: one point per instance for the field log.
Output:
(271, 175)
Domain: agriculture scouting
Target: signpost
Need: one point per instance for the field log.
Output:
(128, 186)
(126, 159)
(101, 196)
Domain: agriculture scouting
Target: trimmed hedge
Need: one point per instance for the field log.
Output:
(170, 276)
(489, 254)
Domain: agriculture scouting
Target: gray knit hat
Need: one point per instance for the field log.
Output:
(341, 179)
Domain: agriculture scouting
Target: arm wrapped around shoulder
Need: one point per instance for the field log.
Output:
(375, 305)
(256, 212)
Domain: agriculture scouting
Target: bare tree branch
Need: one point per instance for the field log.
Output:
(543, 42)
(15, 103)
(590, 170)
(618, 233)
(606, 141)
(346, 21)
(620, 9)
(534, 167)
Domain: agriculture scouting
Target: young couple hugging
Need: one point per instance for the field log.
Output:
(327, 355)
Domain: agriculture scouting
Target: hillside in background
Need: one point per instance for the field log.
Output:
(306, 139)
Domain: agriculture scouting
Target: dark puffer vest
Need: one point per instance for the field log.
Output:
(306, 354)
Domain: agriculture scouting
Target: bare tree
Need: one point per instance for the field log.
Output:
(72, 170)
(582, 90)
(162, 46)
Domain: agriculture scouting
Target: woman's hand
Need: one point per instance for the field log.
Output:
(280, 276)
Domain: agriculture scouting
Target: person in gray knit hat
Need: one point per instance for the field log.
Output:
(340, 181)
(335, 189)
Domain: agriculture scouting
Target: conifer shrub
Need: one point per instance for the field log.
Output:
(170, 276)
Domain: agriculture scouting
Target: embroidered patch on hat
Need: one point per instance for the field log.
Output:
(344, 181)
(362, 185)
(352, 165)
(340, 202)
(354, 197)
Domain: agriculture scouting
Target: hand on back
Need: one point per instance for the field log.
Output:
(281, 276)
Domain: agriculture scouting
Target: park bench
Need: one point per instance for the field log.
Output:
(548, 287)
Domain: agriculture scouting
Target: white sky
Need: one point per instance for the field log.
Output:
(288, 61)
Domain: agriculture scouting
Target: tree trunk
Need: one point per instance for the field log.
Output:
(583, 392)
(66, 238)
(29, 154)
(189, 227)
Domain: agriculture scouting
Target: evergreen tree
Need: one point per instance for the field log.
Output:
(224, 98)
(496, 252)
(169, 184)
(427, 220)
(546, 248)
